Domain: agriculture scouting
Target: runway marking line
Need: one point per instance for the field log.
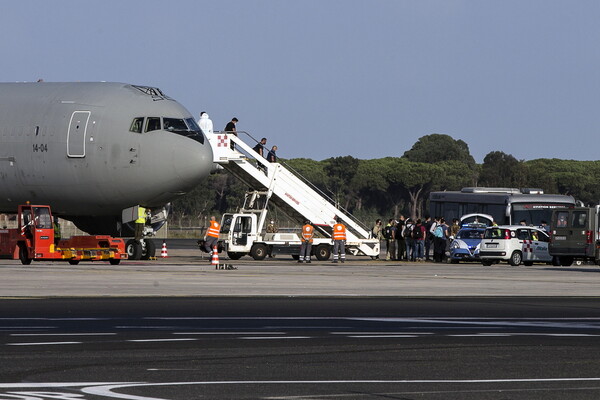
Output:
(162, 340)
(42, 343)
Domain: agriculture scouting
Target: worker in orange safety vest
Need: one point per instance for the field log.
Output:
(308, 232)
(212, 234)
(339, 241)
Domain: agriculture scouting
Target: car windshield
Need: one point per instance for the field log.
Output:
(494, 233)
(470, 234)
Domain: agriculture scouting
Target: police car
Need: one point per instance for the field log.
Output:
(515, 244)
(465, 245)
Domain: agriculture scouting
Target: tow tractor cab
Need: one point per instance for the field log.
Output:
(575, 234)
(33, 240)
(516, 244)
(241, 235)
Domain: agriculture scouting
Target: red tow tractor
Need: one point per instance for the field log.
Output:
(33, 240)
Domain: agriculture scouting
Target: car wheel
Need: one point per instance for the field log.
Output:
(566, 261)
(556, 261)
(515, 259)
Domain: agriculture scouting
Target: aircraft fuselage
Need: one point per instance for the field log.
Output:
(93, 149)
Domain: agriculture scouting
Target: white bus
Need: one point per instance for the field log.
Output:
(508, 206)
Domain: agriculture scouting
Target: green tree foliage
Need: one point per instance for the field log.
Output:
(502, 170)
(340, 172)
(577, 178)
(436, 148)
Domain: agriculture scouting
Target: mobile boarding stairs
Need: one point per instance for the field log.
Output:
(293, 195)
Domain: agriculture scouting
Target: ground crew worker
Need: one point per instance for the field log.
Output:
(308, 232)
(212, 234)
(339, 241)
(140, 222)
(57, 234)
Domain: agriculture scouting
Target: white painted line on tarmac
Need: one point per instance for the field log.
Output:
(381, 333)
(274, 337)
(62, 334)
(42, 343)
(13, 328)
(381, 336)
(162, 340)
(229, 333)
(108, 390)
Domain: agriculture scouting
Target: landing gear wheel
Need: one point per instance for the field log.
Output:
(114, 262)
(133, 249)
(148, 249)
(258, 252)
(515, 259)
(323, 252)
(73, 262)
(25, 260)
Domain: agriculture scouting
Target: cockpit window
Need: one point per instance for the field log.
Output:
(152, 124)
(136, 125)
(185, 127)
(193, 125)
(174, 125)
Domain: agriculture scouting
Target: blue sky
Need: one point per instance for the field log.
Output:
(326, 78)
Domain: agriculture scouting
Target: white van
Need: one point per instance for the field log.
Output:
(516, 244)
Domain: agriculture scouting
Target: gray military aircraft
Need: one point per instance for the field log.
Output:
(92, 150)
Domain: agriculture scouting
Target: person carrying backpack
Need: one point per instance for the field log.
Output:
(410, 243)
(389, 233)
(418, 236)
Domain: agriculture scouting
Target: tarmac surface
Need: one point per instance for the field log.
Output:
(188, 272)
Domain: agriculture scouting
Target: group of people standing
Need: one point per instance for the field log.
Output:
(206, 124)
(408, 239)
(338, 236)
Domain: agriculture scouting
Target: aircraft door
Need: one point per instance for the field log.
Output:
(76, 135)
(241, 229)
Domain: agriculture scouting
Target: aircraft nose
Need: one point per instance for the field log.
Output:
(191, 162)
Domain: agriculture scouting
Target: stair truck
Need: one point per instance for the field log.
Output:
(242, 233)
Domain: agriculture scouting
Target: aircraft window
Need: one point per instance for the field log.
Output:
(174, 125)
(188, 128)
(193, 126)
(152, 124)
(136, 125)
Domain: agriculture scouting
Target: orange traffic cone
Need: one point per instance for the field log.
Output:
(215, 258)
(163, 251)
